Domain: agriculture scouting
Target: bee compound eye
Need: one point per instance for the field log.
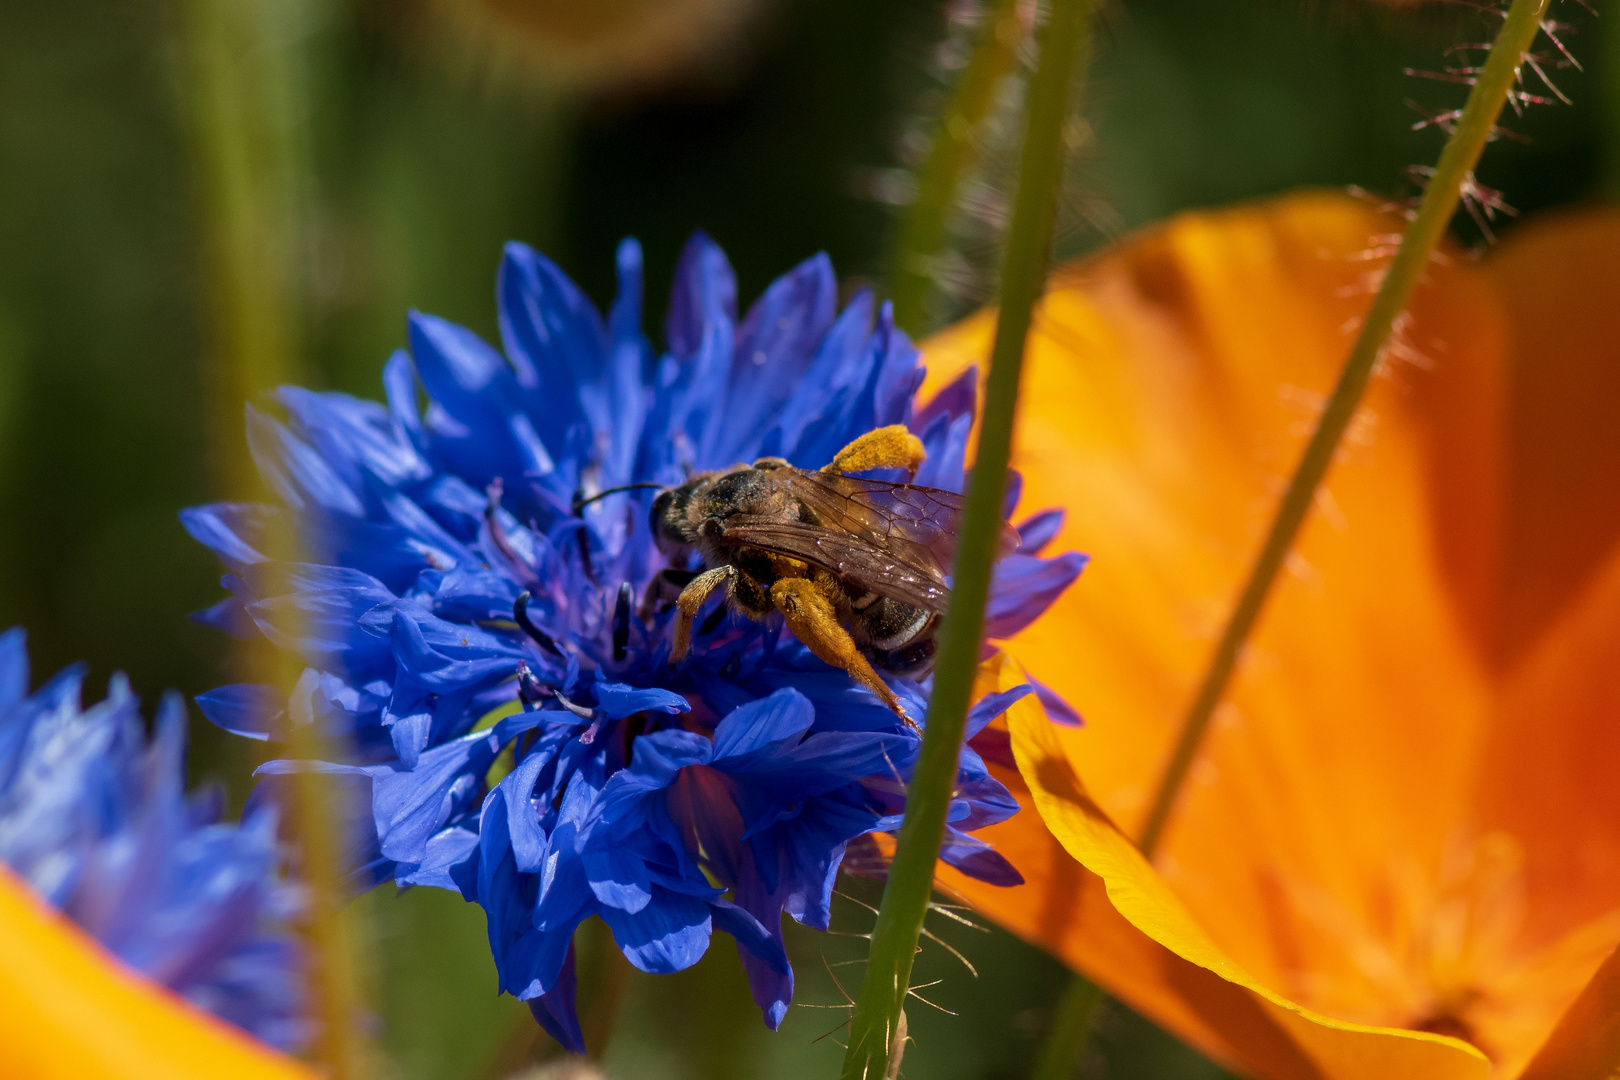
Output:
(660, 510)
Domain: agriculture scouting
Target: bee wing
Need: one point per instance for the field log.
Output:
(895, 539)
(905, 571)
(886, 515)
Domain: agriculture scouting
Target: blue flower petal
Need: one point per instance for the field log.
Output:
(13, 667)
(670, 934)
(446, 851)
(748, 728)
(978, 860)
(1057, 710)
(770, 976)
(705, 292)
(523, 822)
(618, 877)
(246, 709)
(297, 472)
(657, 757)
(774, 346)
(642, 792)
(958, 398)
(1039, 530)
(991, 706)
(95, 818)
(1024, 587)
(412, 805)
(839, 366)
(229, 530)
(554, 1010)
(617, 701)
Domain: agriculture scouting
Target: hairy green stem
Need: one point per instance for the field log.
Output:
(921, 233)
(876, 1019)
(241, 94)
(1435, 210)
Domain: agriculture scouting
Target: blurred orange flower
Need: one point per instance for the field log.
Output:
(69, 1010)
(1400, 850)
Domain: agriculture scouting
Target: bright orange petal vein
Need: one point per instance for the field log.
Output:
(70, 1011)
(1335, 845)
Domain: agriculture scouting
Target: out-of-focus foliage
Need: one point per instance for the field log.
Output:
(422, 169)
(604, 46)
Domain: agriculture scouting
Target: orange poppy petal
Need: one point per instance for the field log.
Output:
(68, 1011)
(1168, 391)
(1586, 1043)
(1549, 782)
(1296, 1042)
(1558, 280)
(1066, 908)
(1548, 777)
(1328, 837)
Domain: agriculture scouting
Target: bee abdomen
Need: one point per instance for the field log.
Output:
(899, 636)
(864, 601)
(903, 625)
(911, 661)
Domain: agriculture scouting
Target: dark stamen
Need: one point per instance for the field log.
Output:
(732, 667)
(621, 622)
(520, 614)
(585, 552)
(530, 689)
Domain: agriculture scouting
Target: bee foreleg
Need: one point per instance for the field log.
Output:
(688, 603)
(814, 621)
(662, 591)
(892, 447)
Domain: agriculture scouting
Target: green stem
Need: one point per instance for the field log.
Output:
(1071, 1030)
(602, 989)
(1439, 203)
(242, 99)
(1065, 40)
(921, 233)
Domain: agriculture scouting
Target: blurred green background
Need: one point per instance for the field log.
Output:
(419, 159)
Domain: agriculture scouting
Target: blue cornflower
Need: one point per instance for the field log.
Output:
(482, 632)
(95, 818)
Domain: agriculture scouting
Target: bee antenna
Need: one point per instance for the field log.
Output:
(581, 502)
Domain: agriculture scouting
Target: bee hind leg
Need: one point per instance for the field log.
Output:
(814, 621)
(688, 603)
(892, 447)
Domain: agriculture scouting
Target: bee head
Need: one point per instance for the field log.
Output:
(667, 519)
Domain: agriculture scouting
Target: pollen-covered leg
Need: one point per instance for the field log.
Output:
(662, 592)
(814, 621)
(688, 603)
(892, 447)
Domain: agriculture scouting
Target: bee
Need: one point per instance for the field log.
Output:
(856, 567)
